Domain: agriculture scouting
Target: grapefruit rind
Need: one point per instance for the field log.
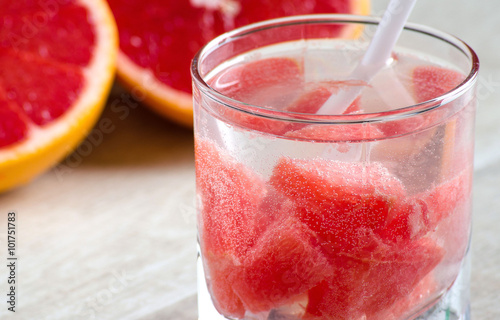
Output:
(162, 99)
(46, 146)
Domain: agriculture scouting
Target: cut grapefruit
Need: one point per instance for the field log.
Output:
(155, 54)
(57, 63)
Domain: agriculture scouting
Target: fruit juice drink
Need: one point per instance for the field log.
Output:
(359, 215)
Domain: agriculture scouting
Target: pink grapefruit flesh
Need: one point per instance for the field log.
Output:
(155, 55)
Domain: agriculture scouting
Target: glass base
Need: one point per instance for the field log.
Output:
(453, 305)
(206, 309)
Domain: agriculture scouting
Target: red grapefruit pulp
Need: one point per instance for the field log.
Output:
(284, 264)
(230, 195)
(339, 239)
(159, 38)
(365, 226)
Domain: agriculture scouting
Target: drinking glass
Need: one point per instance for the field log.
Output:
(364, 214)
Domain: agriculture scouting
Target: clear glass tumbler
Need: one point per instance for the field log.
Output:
(360, 214)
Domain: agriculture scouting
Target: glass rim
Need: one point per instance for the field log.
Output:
(393, 114)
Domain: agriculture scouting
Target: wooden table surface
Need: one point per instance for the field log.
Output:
(110, 232)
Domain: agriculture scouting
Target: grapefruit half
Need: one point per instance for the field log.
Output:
(57, 64)
(159, 38)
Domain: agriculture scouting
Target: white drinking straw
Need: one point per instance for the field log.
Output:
(376, 57)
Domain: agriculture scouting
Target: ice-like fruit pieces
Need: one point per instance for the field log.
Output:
(443, 199)
(283, 265)
(366, 284)
(343, 240)
(314, 95)
(448, 209)
(342, 201)
(230, 194)
(430, 82)
(366, 228)
(423, 293)
(218, 268)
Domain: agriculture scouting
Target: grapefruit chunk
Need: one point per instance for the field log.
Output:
(449, 207)
(422, 294)
(219, 269)
(155, 55)
(369, 229)
(366, 284)
(230, 194)
(430, 82)
(342, 201)
(312, 100)
(285, 263)
(443, 199)
(55, 77)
